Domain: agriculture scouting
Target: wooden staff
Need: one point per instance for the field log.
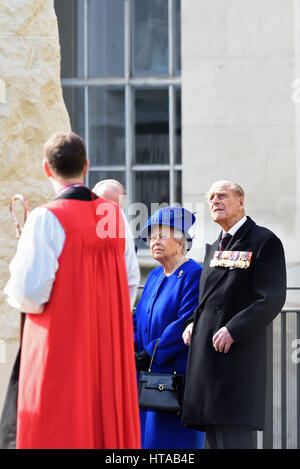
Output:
(19, 228)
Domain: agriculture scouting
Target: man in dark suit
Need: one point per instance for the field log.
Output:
(242, 289)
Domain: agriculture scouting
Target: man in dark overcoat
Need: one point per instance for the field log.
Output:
(242, 289)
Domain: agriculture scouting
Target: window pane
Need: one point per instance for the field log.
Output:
(106, 126)
(178, 126)
(150, 37)
(74, 101)
(178, 187)
(151, 188)
(106, 38)
(151, 126)
(70, 15)
(96, 176)
(178, 38)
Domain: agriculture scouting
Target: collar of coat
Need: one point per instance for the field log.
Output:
(77, 193)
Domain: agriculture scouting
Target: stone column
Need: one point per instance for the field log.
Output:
(31, 109)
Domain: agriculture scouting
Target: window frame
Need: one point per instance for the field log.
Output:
(130, 83)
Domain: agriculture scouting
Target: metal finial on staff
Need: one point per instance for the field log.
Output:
(26, 211)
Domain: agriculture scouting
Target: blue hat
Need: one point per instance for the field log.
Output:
(175, 217)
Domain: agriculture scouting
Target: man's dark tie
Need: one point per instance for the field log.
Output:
(224, 241)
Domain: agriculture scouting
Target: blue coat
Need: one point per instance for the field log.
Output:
(164, 307)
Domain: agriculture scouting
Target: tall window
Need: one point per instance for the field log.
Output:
(121, 83)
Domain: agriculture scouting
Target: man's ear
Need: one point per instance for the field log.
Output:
(86, 167)
(46, 168)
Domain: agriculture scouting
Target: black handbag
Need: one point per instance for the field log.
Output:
(160, 391)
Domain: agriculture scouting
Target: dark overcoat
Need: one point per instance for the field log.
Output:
(230, 388)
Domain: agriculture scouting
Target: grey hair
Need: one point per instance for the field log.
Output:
(234, 186)
(181, 238)
(238, 189)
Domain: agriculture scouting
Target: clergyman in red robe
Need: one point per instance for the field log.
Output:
(77, 381)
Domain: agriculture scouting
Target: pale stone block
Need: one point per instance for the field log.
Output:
(238, 116)
(261, 159)
(238, 92)
(204, 32)
(253, 28)
(198, 92)
(254, 91)
(28, 18)
(33, 110)
(236, 28)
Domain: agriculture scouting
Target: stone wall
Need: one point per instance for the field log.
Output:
(240, 59)
(31, 109)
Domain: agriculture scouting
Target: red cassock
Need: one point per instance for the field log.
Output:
(77, 384)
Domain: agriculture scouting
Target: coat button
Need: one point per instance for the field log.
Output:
(218, 309)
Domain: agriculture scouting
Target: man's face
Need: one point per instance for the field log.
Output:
(225, 205)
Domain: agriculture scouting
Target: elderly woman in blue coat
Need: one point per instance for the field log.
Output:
(169, 298)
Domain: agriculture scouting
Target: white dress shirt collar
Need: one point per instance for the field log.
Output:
(235, 227)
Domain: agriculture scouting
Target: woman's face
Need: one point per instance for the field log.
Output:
(163, 245)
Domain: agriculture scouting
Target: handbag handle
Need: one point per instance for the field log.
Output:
(153, 355)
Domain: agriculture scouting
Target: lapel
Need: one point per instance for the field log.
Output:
(213, 275)
(207, 271)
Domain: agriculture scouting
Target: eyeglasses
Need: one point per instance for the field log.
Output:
(153, 238)
(164, 237)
